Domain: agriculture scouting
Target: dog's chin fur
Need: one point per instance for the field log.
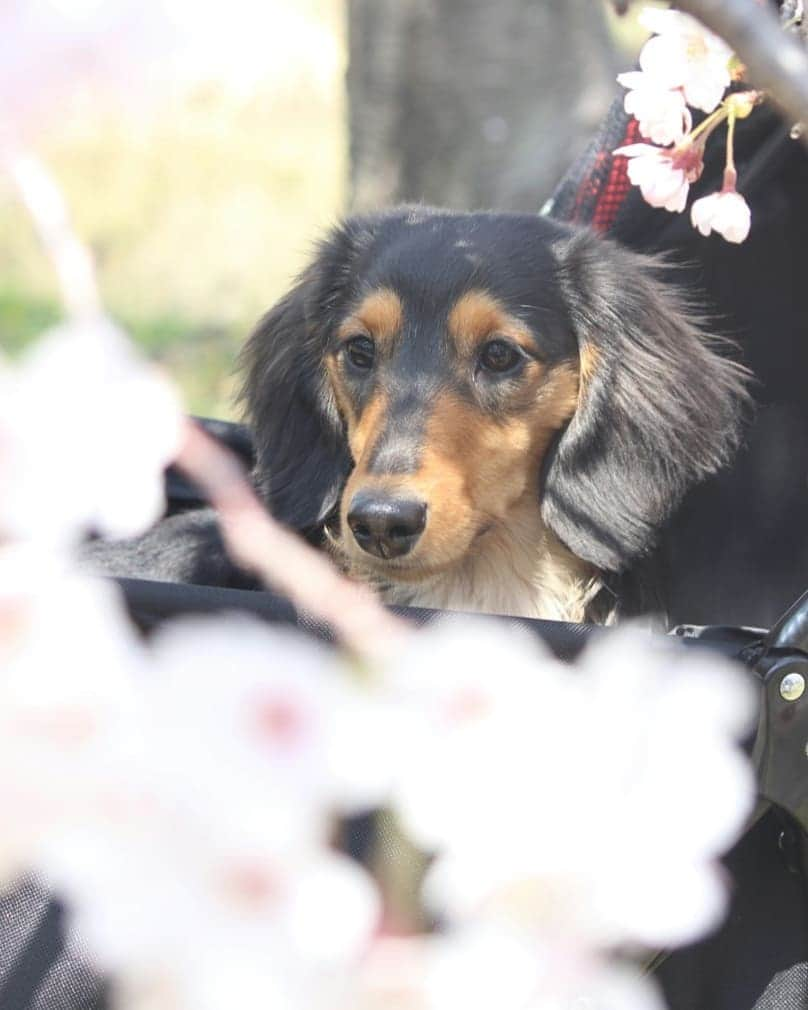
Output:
(518, 567)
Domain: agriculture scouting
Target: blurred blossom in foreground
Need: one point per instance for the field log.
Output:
(602, 746)
(69, 696)
(86, 430)
(491, 965)
(180, 796)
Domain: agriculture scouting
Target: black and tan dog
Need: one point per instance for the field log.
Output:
(484, 411)
(477, 411)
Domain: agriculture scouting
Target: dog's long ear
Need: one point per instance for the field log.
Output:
(301, 453)
(659, 408)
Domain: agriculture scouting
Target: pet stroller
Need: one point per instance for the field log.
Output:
(738, 555)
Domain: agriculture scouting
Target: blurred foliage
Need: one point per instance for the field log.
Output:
(199, 213)
(23, 315)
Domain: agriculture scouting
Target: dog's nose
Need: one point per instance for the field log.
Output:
(384, 526)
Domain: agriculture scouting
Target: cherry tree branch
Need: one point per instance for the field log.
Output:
(71, 258)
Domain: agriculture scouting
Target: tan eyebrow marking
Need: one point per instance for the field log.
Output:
(380, 314)
(477, 315)
(366, 430)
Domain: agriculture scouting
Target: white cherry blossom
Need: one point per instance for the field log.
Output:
(726, 212)
(663, 175)
(683, 54)
(661, 112)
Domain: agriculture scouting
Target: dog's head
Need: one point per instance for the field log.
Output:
(432, 371)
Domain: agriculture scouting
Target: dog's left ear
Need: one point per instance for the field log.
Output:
(659, 408)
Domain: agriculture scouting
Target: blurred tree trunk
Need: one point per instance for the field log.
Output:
(472, 103)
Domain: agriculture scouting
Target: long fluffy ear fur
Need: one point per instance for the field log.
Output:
(659, 408)
(301, 455)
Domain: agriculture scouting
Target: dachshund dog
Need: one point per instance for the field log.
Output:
(484, 411)
(481, 411)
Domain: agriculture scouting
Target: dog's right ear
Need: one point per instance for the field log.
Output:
(302, 458)
(660, 406)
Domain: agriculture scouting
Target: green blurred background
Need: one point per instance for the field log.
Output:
(200, 209)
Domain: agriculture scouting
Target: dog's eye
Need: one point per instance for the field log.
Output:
(499, 356)
(361, 352)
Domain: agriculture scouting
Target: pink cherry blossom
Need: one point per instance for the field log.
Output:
(663, 174)
(683, 54)
(726, 212)
(661, 112)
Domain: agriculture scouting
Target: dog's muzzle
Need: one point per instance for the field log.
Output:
(385, 526)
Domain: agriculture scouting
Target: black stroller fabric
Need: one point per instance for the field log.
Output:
(758, 960)
(41, 966)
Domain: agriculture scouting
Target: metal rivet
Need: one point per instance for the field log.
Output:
(792, 686)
